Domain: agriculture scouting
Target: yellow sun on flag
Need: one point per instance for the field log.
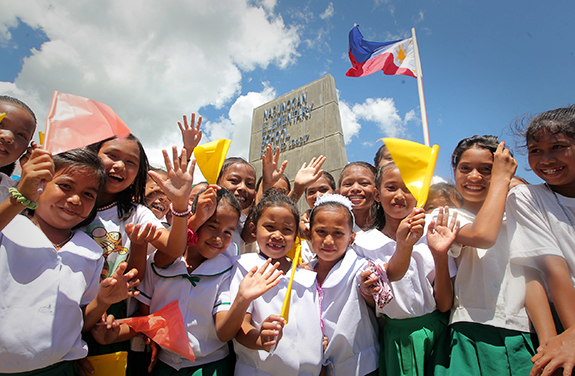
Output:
(401, 54)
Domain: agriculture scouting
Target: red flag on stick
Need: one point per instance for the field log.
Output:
(74, 122)
(166, 328)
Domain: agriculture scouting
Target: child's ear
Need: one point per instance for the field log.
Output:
(376, 195)
(252, 229)
(351, 239)
(307, 232)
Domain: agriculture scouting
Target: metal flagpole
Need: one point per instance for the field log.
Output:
(420, 89)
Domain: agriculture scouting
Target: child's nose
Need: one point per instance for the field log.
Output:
(74, 199)
(475, 174)
(7, 136)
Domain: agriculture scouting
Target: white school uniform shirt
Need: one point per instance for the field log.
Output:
(350, 326)
(488, 289)
(110, 233)
(299, 351)
(5, 183)
(43, 291)
(200, 296)
(540, 224)
(413, 294)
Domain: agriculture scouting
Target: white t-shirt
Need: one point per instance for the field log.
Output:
(299, 351)
(350, 326)
(541, 225)
(488, 289)
(43, 291)
(413, 294)
(200, 295)
(110, 233)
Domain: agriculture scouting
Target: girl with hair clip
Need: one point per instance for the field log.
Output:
(298, 345)
(541, 223)
(349, 330)
(420, 277)
(49, 271)
(489, 331)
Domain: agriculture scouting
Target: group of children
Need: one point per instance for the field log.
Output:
(91, 235)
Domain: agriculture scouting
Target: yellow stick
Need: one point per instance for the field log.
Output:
(287, 299)
(428, 176)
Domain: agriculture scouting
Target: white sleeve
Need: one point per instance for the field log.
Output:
(146, 287)
(530, 232)
(223, 301)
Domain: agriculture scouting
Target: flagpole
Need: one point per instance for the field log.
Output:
(420, 89)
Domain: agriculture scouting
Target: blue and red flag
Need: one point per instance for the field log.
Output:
(367, 57)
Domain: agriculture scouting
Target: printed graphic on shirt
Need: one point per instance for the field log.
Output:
(112, 250)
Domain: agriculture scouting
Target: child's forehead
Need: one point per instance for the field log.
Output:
(79, 175)
(476, 154)
(18, 116)
(240, 169)
(357, 171)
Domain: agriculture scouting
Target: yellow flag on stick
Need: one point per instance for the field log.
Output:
(210, 158)
(2, 115)
(295, 253)
(416, 163)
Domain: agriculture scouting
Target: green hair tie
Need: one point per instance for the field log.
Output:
(21, 199)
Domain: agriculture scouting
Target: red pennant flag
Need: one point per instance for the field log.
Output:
(74, 122)
(166, 328)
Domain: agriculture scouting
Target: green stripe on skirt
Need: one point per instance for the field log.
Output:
(67, 368)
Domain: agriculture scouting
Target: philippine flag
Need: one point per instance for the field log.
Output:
(369, 57)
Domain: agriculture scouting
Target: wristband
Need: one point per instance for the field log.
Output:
(192, 238)
(21, 199)
(182, 214)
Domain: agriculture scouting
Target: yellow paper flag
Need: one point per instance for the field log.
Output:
(2, 115)
(110, 364)
(210, 158)
(416, 163)
(296, 249)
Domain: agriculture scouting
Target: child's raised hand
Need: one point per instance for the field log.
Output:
(38, 170)
(205, 207)
(271, 331)
(26, 156)
(410, 228)
(192, 134)
(119, 286)
(258, 282)
(309, 174)
(177, 185)
(504, 165)
(270, 171)
(441, 232)
(139, 234)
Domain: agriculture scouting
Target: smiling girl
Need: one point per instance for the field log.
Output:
(488, 322)
(541, 221)
(50, 272)
(357, 183)
(419, 271)
(299, 343)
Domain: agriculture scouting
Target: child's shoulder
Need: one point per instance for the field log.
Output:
(370, 240)
(23, 233)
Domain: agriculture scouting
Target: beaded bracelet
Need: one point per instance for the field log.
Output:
(21, 199)
(182, 214)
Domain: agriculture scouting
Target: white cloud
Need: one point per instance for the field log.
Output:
(150, 63)
(418, 17)
(380, 111)
(328, 12)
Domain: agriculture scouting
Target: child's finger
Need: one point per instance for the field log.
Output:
(265, 265)
(192, 166)
(167, 162)
(175, 158)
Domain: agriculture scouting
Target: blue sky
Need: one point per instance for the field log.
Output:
(485, 63)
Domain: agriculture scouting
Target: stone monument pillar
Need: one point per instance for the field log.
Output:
(304, 123)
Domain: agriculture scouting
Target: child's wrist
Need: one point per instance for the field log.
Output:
(180, 210)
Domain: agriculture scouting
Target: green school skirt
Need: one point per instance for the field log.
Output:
(67, 368)
(221, 367)
(407, 344)
(483, 350)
